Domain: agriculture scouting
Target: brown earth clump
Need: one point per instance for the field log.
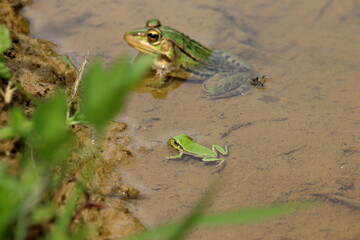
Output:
(37, 72)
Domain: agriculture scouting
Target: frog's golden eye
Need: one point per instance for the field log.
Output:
(152, 36)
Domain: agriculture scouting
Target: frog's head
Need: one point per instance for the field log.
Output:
(151, 39)
(179, 141)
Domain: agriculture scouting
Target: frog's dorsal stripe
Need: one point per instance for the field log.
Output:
(186, 44)
(184, 51)
(197, 74)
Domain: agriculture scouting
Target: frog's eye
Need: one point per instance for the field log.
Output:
(176, 143)
(152, 36)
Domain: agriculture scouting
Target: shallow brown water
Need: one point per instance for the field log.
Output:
(298, 139)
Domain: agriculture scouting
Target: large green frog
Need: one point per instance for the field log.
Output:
(179, 56)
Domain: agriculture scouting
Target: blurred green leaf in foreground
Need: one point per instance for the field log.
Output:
(105, 90)
(5, 44)
(240, 216)
(27, 195)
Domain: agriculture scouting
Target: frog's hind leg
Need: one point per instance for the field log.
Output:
(212, 159)
(223, 151)
(226, 85)
(159, 79)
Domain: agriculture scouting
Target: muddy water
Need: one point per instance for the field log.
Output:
(297, 139)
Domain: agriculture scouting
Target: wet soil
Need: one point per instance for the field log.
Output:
(297, 139)
(38, 72)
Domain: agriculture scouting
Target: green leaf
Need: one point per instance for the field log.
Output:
(17, 195)
(10, 197)
(5, 44)
(5, 41)
(18, 125)
(51, 136)
(196, 213)
(67, 60)
(43, 213)
(254, 214)
(105, 90)
(60, 228)
(228, 218)
(4, 71)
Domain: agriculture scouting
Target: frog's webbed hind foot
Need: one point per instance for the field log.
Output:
(216, 90)
(225, 85)
(241, 90)
(259, 82)
(219, 168)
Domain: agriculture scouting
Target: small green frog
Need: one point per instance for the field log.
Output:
(185, 145)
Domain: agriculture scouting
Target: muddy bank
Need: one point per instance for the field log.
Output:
(38, 72)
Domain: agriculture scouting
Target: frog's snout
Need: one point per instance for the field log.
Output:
(128, 36)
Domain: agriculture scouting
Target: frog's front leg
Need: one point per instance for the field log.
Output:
(163, 69)
(175, 156)
(219, 149)
(159, 79)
